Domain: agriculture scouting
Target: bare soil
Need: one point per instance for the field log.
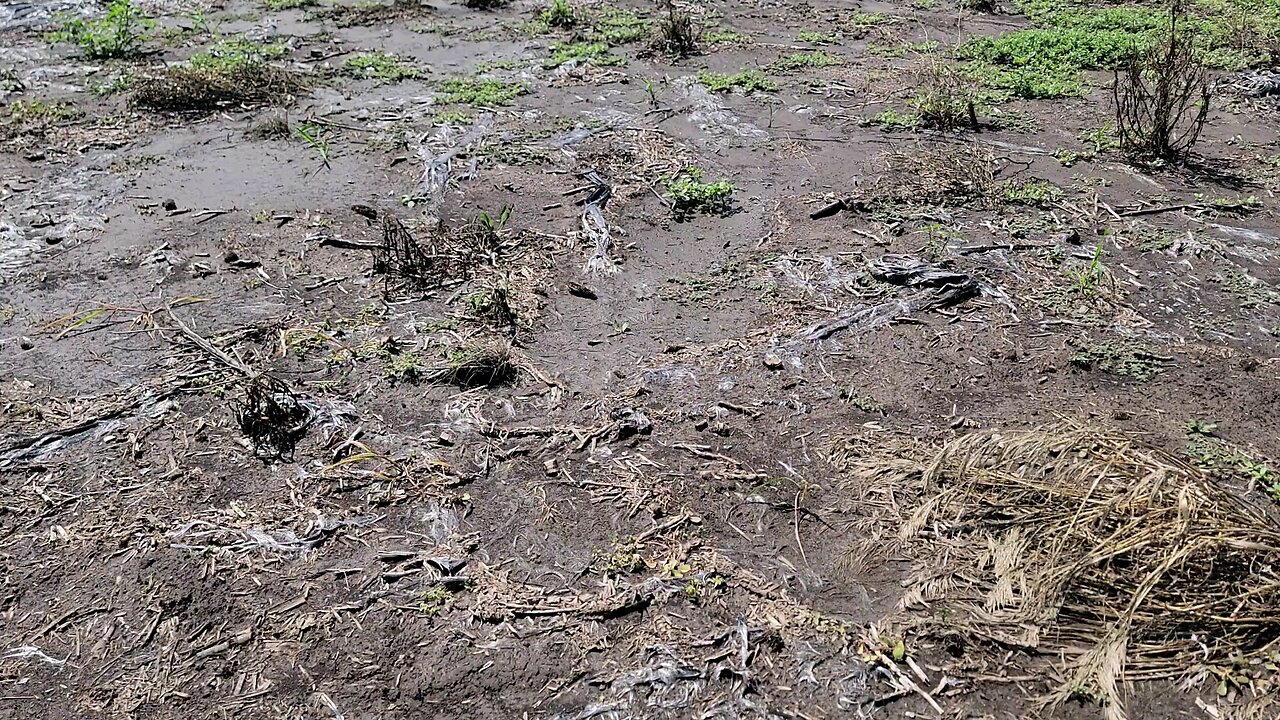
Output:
(648, 518)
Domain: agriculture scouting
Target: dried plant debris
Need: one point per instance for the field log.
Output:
(373, 13)
(272, 417)
(1080, 544)
(476, 365)
(407, 264)
(191, 88)
(935, 175)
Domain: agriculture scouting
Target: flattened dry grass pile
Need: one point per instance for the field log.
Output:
(938, 174)
(1082, 545)
(207, 88)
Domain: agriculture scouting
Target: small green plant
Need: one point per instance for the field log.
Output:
(403, 365)
(618, 27)
(720, 36)
(314, 137)
(806, 61)
(746, 80)
(901, 50)
(35, 117)
(435, 600)
(560, 15)
(893, 120)
(380, 66)
(1219, 459)
(1037, 82)
(817, 37)
(452, 117)
(861, 22)
(1085, 280)
(480, 93)
(1118, 357)
(119, 34)
(623, 558)
(865, 403)
(1237, 204)
(490, 226)
(236, 53)
(116, 85)
(1035, 193)
(595, 54)
(690, 195)
(29, 110)
(650, 89)
(1099, 140)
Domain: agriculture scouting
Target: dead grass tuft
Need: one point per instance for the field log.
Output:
(477, 365)
(185, 88)
(944, 100)
(1080, 544)
(943, 174)
(678, 36)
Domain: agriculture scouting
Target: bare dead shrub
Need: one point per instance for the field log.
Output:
(1162, 96)
(447, 256)
(272, 417)
(678, 37)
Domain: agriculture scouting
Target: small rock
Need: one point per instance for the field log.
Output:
(231, 257)
(582, 291)
(169, 204)
(772, 361)
(25, 343)
(34, 156)
(446, 438)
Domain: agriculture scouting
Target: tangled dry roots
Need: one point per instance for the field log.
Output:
(1081, 544)
(182, 88)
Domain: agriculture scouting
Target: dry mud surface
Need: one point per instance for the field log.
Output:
(248, 469)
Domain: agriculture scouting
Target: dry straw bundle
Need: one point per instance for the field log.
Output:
(1081, 544)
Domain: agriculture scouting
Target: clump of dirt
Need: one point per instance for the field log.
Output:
(373, 13)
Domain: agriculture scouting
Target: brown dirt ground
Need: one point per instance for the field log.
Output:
(698, 569)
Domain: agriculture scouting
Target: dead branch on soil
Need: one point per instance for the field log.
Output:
(1079, 543)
